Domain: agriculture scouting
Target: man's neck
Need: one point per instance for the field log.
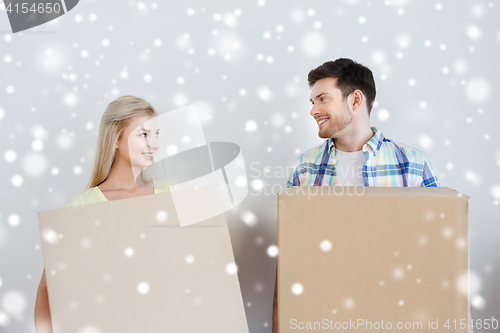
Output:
(354, 140)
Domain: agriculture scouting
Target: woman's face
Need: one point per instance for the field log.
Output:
(139, 141)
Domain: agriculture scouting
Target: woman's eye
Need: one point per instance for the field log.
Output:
(146, 134)
(323, 99)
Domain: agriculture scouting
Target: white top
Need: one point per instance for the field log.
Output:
(349, 167)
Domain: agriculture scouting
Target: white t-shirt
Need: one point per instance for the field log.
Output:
(349, 167)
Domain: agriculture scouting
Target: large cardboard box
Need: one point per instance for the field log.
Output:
(129, 266)
(372, 259)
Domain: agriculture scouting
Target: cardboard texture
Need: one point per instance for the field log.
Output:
(391, 254)
(129, 266)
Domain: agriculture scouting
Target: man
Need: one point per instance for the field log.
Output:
(342, 97)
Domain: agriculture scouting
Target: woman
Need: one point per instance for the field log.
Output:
(127, 143)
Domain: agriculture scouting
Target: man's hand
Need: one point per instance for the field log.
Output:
(471, 329)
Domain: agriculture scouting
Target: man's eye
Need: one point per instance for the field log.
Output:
(146, 134)
(322, 99)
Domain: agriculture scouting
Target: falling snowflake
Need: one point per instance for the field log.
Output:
(297, 289)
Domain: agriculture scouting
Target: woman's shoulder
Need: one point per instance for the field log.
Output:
(94, 195)
(75, 200)
(90, 195)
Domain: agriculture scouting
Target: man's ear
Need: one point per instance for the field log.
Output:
(356, 99)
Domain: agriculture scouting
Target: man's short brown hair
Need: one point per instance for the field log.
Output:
(350, 76)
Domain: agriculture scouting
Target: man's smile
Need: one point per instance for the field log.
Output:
(322, 120)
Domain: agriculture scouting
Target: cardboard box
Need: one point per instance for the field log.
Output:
(372, 256)
(129, 266)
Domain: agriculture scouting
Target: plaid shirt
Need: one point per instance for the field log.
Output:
(387, 163)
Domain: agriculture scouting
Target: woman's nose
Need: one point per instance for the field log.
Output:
(154, 142)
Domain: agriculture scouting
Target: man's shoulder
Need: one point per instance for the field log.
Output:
(309, 156)
(413, 159)
(306, 164)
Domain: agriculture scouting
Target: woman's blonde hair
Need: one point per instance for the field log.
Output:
(115, 119)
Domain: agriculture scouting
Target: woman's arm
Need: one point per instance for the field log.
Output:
(43, 323)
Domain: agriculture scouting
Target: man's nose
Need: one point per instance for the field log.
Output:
(314, 111)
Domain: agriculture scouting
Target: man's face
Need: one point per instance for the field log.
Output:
(331, 113)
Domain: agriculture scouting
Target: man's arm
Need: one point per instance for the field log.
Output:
(471, 329)
(275, 304)
(429, 178)
(293, 176)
